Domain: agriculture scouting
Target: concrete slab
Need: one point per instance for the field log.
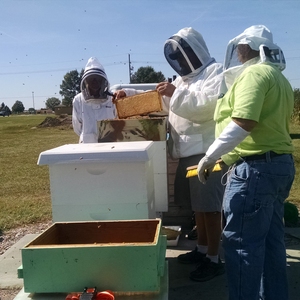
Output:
(10, 261)
(180, 286)
(162, 295)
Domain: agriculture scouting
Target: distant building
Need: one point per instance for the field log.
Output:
(44, 111)
(62, 109)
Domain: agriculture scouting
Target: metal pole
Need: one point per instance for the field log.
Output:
(129, 64)
(33, 99)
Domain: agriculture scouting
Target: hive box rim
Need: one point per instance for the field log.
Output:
(30, 244)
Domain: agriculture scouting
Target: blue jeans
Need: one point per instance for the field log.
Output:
(253, 237)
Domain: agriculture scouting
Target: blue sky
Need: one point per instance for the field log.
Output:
(42, 40)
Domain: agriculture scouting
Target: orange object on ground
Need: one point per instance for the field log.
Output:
(105, 295)
(73, 296)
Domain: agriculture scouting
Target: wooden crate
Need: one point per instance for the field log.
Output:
(178, 213)
(122, 256)
(137, 129)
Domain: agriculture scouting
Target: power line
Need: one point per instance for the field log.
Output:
(65, 70)
(26, 97)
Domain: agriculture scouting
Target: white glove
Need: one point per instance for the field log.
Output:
(204, 164)
(231, 136)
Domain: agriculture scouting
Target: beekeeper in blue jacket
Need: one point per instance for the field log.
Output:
(92, 104)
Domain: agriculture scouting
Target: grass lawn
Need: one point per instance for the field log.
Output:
(295, 191)
(25, 191)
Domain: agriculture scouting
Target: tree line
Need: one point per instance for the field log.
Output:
(70, 86)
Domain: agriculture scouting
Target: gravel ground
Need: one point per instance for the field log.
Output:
(8, 294)
(12, 236)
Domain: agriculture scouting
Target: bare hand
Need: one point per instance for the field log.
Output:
(118, 95)
(166, 89)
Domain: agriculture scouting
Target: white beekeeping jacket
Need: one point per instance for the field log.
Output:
(191, 107)
(86, 114)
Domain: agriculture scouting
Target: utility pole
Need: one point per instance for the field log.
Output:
(33, 100)
(130, 68)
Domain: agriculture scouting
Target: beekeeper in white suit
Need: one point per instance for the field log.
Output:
(92, 104)
(191, 99)
(252, 129)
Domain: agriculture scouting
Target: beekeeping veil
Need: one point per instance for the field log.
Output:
(186, 52)
(94, 81)
(259, 38)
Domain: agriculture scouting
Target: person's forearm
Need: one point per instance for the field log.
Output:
(230, 137)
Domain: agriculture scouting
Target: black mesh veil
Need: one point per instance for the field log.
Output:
(181, 56)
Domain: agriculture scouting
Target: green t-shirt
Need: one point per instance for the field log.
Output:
(261, 93)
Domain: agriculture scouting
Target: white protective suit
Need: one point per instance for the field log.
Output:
(191, 107)
(86, 113)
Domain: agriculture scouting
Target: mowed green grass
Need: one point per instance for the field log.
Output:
(25, 187)
(295, 191)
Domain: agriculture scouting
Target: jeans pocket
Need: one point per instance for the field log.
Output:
(241, 191)
(238, 178)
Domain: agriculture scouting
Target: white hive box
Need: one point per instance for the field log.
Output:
(143, 129)
(101, 181)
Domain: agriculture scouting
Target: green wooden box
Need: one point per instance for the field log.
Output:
(122, 256)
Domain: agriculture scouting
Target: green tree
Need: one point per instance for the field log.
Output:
(18, 107)
(52, 102)
(31, 110)
(147, 75)
(297, 99)
(70, 86)
(296, 111)
(5, 108)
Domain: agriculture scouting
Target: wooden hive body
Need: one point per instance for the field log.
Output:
(122, 256)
